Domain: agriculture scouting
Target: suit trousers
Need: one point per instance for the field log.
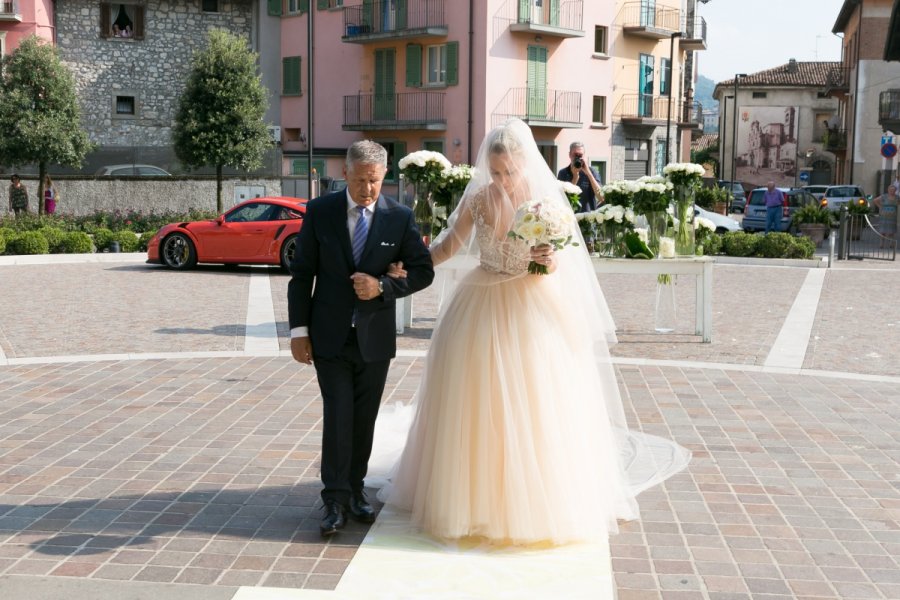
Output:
(351, 394)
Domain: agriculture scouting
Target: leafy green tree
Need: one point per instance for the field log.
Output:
(220, 114)
(707, 156)
(40, 120)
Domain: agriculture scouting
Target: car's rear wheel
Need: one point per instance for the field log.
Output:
(178, 252)
(287, 252)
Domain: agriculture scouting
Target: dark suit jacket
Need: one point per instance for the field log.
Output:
(324, 258)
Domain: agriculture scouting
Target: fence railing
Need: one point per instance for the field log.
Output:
(568, 15)
(691, 113)
(644, 106)
(837, 78)
(859, 238)
(382, 16)
(406, 109)
(539, 104)
(834, 139)
(643, 14)
(694, 29)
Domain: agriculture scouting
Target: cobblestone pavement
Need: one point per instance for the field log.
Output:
(203, 470)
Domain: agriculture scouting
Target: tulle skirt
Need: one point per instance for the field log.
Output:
(510, 440)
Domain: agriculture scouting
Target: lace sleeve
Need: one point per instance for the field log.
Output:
(459, 231)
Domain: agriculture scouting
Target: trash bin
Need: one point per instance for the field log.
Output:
(114, 247)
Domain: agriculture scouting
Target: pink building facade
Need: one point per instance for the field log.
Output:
(22, 18)
(439, 74)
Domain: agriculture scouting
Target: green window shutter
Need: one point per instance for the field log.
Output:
(452, 63)
(303, 5)
(274, 8)
(554, 13)
(393, 173)
(368, 13)
(290, 83)
(321, 4)
(299, 166)
(414, 65)
(524, 11)
(401, 14)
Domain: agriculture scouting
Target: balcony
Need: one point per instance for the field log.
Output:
(691, 117)
(693, 35)
(643, 109)
(653, 22)
(834, 140)
(381, 20)
(837, 80)
(889, 110)
(540, 107)
(554, 19)
(9, 11)
(412, 110)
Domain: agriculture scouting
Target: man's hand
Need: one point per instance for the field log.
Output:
(396, 271)
(301, 350)
(365, 286)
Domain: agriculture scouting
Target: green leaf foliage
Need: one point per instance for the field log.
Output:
(40, 120)
(219, 120)
(28, 242)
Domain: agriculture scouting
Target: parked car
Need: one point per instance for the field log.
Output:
(258, 231)
(133, 171)
(837, 196)
(738, 195)
(723, 224)
(755, 213)
(816, 190)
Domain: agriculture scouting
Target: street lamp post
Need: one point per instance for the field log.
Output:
(722, 138)
(676, 34)
(734, 115)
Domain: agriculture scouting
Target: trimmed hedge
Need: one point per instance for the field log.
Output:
(54, 238)
(2, 244)
(76, 242)
(28, 242)
(103, 238)
(144, 240)
(128, 240)
(739, 243)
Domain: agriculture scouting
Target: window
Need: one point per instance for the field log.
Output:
(437, 65)
(299, 167)
(598, 114)
(665, 76)
(433, 145)
(759, 94)
(396, 151)
(600, 39)
(125, 105)
(600, 167)
(660, 155)
(323, 4)
(210, 5)
(122, 21)
(290, 80)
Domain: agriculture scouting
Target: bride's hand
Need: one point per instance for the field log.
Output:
(543, 255)
(396, 271)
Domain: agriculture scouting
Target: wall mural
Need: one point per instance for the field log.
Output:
(767, 145)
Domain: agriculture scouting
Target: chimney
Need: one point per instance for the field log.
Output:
(792, 65)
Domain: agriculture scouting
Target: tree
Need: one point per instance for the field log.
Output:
(707, 156)
(220, 114)
(40, 120)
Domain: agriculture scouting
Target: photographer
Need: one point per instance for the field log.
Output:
(582, 175)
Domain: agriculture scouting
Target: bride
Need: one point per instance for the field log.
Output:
(519, 434)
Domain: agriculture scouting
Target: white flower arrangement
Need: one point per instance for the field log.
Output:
(685, 169)
(424, 166)
(701, 223)
(570, 188)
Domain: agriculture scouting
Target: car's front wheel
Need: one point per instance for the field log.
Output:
(287, 252)
(178, 252)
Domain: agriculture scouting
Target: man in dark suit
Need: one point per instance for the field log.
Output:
(584, 176)
(342, 316)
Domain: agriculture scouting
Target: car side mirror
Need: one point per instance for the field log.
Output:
(220, 220)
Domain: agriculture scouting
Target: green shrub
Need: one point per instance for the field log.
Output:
(775, 245)
(740, 243)
(76, 242)
(802, 247)
(812, 214)
(2, 244)
(7, 232)
(102, 238)
(144, 240)
(27, 242)
(712, 245)
(54, 237)
(128, 240)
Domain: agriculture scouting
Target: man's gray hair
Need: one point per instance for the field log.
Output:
(366, 152)
(575, 145)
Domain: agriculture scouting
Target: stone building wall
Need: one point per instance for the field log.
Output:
(152, 70)
(84, 196)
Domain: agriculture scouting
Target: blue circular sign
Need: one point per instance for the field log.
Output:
(888, 150)
(804, 175)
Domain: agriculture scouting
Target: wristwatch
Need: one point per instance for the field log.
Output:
(380, 287)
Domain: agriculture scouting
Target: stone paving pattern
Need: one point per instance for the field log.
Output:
(204, 470)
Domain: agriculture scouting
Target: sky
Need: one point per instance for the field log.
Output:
(749, 36)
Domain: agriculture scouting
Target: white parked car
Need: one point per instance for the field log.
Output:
(723, 224)
(132, 170)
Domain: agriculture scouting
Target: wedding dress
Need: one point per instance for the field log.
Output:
(519, 434)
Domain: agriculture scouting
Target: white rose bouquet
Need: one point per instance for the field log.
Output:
(537, 222)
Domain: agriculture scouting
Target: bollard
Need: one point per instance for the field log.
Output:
(831, 239)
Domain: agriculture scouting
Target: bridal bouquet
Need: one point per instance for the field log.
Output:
(537, 223)
(573, 194)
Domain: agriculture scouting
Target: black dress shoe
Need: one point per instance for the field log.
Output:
(334, 518)
(360, 509)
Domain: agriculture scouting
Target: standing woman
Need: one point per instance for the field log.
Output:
(887, 211)
(49, 196)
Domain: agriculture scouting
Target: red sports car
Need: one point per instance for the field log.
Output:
(258, 231)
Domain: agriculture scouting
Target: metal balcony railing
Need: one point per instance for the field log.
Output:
(385, 18)
(694, 29)
(838, 78)
(566, 15)
(643, 16)
(540, 107)
(834, 139)
(645, 107)
(889, 110)
(691, 114)
(410, 110)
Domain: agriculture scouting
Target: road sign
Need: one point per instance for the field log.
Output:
(887, 139)
(888, 150)
(804, 175)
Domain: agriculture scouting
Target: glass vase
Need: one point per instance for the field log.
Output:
(656, 228)
(664, 315)
(612, 240)
(684, 214)
(423, 211)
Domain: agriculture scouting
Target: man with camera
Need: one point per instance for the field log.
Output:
(582, 175)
